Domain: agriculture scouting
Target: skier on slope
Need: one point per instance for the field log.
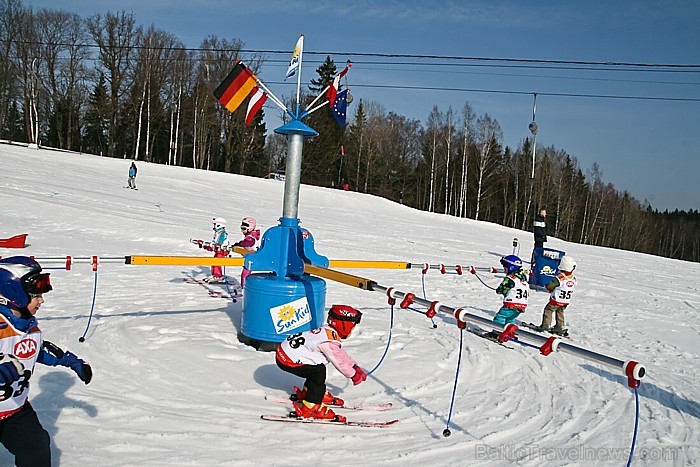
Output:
(22, 285)
(306, 355)
(132, 176)
(219, 244)
(514, 289)
(561, 289)
(251, 240)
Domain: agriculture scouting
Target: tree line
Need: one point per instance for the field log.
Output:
(108, 86)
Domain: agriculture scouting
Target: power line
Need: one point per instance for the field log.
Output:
(695, 67)
(522, 93)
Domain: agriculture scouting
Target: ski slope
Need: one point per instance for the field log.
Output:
(174, 386)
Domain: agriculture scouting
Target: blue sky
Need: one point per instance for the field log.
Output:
(650, 148)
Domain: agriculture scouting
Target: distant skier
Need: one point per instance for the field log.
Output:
(514, 288)
(306, 354)
(132, 176)
(219, 244)
(22, 286)
(251, 240)
(561, 289)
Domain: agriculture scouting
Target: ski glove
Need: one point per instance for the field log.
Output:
(82, 369)
(359, 375)
(53, 355)
(10, 369)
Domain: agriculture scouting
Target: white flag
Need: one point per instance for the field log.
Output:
(296, 58)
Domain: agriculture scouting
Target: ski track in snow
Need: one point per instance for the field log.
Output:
(174, 386)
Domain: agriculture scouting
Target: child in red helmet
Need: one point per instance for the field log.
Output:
(250, 240)
(306, 354)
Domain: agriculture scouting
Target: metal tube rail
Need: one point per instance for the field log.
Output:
(458, 268)
(632, 369)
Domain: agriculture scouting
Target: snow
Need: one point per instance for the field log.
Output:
(174, 386)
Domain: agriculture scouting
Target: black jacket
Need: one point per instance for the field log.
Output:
(540, 229)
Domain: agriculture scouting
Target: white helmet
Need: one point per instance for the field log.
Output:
(219, 222)
(567, 264)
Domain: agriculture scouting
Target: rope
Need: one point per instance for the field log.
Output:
(477, 276)
(92, 308)
(425, 297)
(422, 313)
(388, 342)
(636, 425)
(446, 432)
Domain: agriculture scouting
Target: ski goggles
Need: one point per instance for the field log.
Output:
(245, 226)
(38, 284)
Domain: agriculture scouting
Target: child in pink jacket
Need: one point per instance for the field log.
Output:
(250, 241)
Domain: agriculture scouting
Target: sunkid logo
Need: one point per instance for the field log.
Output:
(290, 315)
(26, 348)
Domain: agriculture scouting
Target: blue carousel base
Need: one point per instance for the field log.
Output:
(276, 307)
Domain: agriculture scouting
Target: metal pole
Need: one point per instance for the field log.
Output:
(533, 129)
(292, 179)
(632, 369)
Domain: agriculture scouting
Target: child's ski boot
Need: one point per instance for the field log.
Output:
(305, 409)
(328, 398)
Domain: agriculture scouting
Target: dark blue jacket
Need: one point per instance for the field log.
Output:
(540, 229)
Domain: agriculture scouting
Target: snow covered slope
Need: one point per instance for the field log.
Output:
(174, 386)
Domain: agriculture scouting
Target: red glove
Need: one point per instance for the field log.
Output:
(359, 375)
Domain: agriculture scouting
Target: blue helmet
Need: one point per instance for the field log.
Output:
(19, 277)
(512, 263)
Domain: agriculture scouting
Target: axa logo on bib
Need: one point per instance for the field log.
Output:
(26, 348)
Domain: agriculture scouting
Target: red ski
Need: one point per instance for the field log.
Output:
(294, 418)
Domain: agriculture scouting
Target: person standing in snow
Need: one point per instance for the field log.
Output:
(219, 246)
(561, 289)
(514, 288)
(306, 355)
(22, 286)
(539, 228)
(132, 176)
(251, 240)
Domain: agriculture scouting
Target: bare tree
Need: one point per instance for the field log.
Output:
(11, 12)
(488, 134)
(467, 138)
(116, 36)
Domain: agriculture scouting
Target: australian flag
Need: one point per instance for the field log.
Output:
(340, 107)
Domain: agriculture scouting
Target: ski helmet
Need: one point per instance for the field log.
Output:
(20, 277)
(219, 223)
(248, 224)
(567, 264)
(512, 263)
(343, 319)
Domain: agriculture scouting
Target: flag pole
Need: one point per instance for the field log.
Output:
(274, 98)
(322, 93)
(301, 53)
(309, 112)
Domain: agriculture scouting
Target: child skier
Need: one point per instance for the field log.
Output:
(561, 289)
(250, 240)
(306, 355)
(219, 242)
(22, 286)
(514, 289)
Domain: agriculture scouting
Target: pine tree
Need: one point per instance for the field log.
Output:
(321, 159)
(97, 120)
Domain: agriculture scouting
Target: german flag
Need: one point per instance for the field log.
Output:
(236, 87)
